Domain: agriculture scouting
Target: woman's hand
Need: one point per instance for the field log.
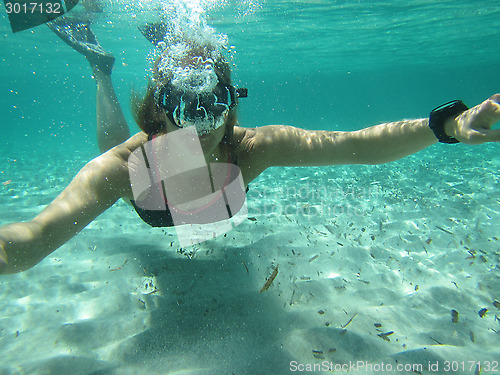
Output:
(474, 126)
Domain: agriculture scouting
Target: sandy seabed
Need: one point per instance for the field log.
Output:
(372, 260)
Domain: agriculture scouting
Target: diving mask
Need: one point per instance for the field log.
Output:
(206, 111)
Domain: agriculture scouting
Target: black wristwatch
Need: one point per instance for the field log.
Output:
(440, 114)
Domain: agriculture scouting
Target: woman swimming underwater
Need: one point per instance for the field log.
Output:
(189, 125)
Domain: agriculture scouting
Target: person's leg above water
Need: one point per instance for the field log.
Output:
(112, 128)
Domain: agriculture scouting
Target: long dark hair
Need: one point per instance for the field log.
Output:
(151, 118)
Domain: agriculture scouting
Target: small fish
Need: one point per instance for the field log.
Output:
(318, 354)
(384, 335)
(454, 316)
(350, 320)
(245, 266)
(436, 341)
(270, 280)
(291, 299)
(482, 312)
(444, 230)
(5, 183)
(313, 258)
(330, 229)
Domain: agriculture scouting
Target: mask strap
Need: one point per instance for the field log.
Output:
(161, 96)
(236, 93)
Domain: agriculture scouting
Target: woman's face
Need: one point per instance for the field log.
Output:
(195, 95)
(208, 140)
(208, 112)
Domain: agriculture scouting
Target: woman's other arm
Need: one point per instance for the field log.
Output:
(97, 186)
(290, 146)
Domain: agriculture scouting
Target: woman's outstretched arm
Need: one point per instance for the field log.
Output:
(93, 190)
(289, 146)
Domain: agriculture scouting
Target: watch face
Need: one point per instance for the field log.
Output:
(451, 104)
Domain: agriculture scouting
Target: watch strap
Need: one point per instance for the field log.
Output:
(439, 115)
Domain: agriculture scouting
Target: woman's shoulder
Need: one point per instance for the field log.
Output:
(259, 136)
(124, 149)
(256, 140)
(247, 152)
(242, 137)
(112, 165)
(119, 155)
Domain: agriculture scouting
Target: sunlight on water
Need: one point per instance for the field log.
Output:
(193, 12)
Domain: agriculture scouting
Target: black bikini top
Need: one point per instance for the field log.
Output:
(224, 205)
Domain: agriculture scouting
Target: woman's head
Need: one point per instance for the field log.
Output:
(191, 86)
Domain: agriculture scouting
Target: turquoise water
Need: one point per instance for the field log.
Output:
(319, 65)
(335, 65)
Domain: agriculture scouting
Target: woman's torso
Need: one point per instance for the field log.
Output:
(238, 155)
